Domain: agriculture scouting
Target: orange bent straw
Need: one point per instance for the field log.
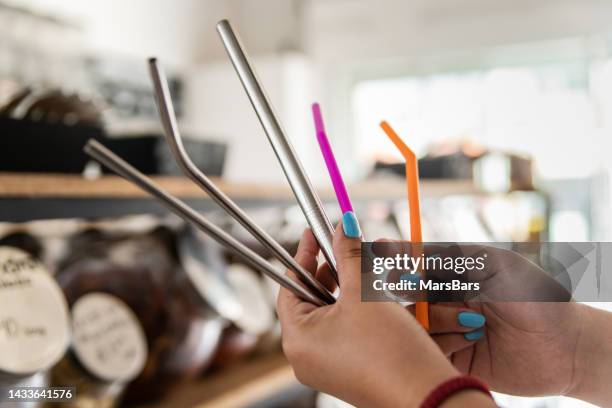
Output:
(412, 186)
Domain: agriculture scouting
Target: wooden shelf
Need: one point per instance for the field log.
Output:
(239, 385)
(28, 196)
(75, 186)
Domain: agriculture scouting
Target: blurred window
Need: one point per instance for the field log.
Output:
(556, 112)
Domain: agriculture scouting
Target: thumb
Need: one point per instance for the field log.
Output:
(347, 250)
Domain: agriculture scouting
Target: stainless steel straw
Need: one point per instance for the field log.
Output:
(125, 170)
(300, 184)
(173, 137)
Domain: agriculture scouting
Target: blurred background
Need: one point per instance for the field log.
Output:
(508, 105)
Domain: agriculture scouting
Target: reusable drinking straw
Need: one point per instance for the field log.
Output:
(330, 161)
(128, 172)
(305, 194)
(412, 186)
(175, 142)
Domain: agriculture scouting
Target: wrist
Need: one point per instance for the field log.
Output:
(593, 357)
(412, 390)
(469, 398)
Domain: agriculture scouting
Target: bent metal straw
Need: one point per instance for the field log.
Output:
(412, 185)
(173, 137)
(125, 170)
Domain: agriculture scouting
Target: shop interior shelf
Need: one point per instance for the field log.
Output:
(29, 196)
(243, 384)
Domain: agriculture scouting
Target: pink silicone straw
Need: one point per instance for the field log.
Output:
(330, 161)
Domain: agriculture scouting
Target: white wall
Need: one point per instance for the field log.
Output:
(138, 28)
(183, 30)
(217, 106)
(179, 31)
(366, 29)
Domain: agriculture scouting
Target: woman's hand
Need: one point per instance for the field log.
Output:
(368, 354)
(532, 349)
(525, 348)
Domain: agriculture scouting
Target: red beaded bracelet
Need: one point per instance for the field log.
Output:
(452, 386)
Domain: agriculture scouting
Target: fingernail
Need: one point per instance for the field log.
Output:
(350, 225)
(475, 335)
(471, 319)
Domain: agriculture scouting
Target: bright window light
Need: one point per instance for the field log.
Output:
(546, 111)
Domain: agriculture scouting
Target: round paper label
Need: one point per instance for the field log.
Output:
(107, 337)
(34, 325)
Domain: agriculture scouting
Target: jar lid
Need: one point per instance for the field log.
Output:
(34, 325)
(207, 276)
(108, 339)
(258, 317)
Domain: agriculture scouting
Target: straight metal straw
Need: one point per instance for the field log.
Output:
(300, 184)
(173, 137)
(125, 170)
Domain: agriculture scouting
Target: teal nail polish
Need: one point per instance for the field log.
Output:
(471, 319)
(350, 225)
(475, 335)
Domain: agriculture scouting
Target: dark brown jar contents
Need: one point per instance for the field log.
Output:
(142, 270)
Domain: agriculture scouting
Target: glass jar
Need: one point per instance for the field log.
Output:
(108, 351)
(34, 321)
(142, 270)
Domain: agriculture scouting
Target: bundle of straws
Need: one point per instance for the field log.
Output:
(309, 289)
